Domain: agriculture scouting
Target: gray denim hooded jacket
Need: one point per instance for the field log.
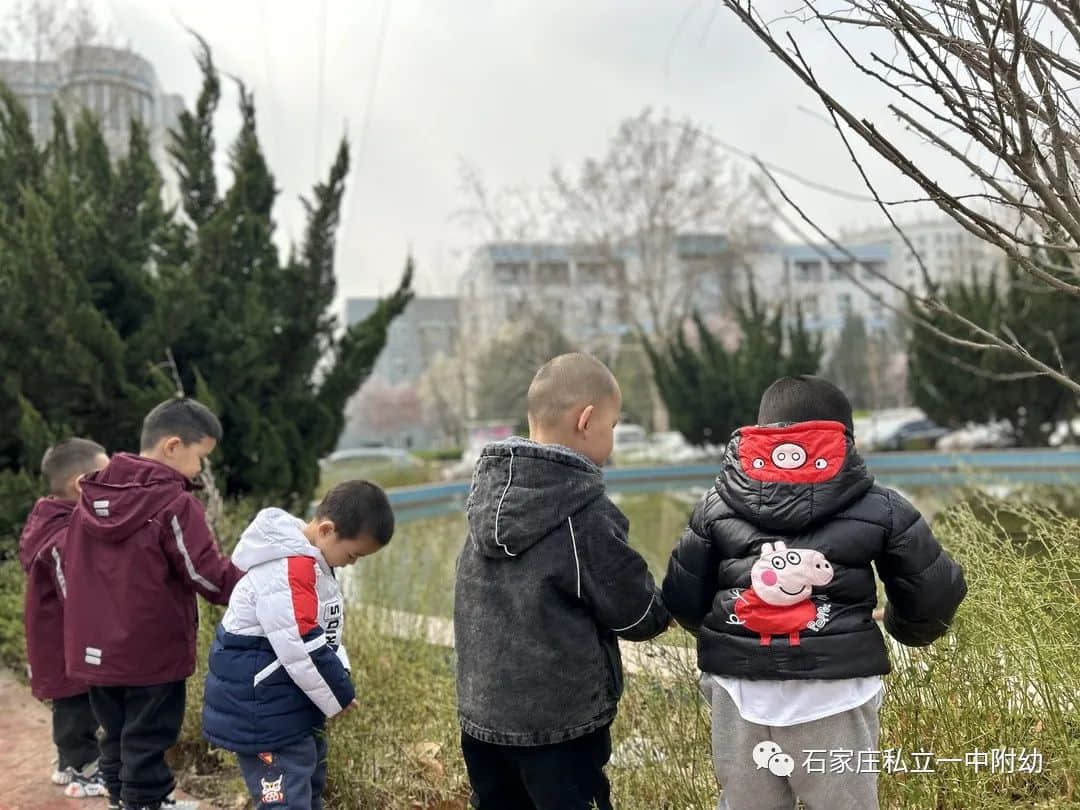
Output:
(546, 583)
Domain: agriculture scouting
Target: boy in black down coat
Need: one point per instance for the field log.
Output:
(775, 577)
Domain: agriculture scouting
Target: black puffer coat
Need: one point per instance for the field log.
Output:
(773, 573)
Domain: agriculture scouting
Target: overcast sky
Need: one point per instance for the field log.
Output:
(510, 86)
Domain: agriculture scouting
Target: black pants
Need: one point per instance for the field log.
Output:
(141, 723)
(566, 776)
(74, 731)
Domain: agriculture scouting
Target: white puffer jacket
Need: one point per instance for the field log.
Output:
(285, 613)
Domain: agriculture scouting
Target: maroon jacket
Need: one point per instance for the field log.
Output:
(138, 550)
(40, 548)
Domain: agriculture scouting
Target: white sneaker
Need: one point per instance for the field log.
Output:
(172, 803)
(62, 777)
(86, 784)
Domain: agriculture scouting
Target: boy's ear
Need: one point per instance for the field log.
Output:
(326, 527)
(584, 417)
(171, 444)
(75, 484)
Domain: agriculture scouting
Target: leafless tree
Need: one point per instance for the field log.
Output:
(42, 29)
(659, 178)
(991, 87)
(444, 393)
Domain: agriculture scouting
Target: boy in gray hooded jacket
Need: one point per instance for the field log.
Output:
(546, 584)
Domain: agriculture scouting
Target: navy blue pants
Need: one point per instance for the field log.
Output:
(565, 776)
(292, 777)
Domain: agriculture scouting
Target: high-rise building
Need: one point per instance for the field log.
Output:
(115, 85)
(947, 250)
(578, 288)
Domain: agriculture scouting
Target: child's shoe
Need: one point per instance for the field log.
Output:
(169, 803)
(172, 803)
(86, 784)
(62, 776)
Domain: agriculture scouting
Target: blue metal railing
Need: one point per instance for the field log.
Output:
(913, 469)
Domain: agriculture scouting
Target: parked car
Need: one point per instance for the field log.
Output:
(994, 435)
(373, 453)
(876, 431)
(920, 434)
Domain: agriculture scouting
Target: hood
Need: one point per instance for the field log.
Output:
(522, 491)
(272, 535)
(785, 478)
(119, 500)
(48, 516)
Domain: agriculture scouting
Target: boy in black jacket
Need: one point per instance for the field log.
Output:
(774, 576)
(546, 584)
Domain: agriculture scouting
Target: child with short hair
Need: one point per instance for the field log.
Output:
(284, 626)
(139, 552)
(546, 585)
(775, 576)
(41, 552)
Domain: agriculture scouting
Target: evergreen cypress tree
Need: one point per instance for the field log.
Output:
(711, 390)
(955, 385)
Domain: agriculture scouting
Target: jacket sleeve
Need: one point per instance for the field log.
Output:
(924, 585)
(615, 580)
(287, 607)
(691, 581)
(193, 552)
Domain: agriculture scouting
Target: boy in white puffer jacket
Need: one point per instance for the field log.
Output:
(277, 666)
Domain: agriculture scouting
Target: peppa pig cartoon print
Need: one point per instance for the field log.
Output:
(778, 601)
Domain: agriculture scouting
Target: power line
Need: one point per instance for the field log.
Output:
(791, 175)
(321, 88)
(373, 86)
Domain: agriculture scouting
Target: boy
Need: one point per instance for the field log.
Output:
(773, 575)
(139, 550)
(546, 584)
(41, 551)
(284, 624)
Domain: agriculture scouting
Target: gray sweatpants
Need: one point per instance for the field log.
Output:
(748, 758)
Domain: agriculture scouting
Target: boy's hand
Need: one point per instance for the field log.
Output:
(878, 614)
(346, 709)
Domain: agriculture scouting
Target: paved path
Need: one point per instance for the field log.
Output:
(26, 754)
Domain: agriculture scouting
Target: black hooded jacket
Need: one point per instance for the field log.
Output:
(801, 493)
(546, 583)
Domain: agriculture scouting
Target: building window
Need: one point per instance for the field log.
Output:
(808, 271)
(810, 308)
(511, 273)
(618, 273)
(877, 309)
(553, 273)
(592, 273)
(515, 308)
(844, 301)
(596, 312)
(872, 271)
(840, 271)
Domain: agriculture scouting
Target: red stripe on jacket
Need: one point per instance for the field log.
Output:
(305, 600)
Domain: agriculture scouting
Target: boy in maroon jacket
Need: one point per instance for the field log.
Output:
(41, 549)
(139, 550)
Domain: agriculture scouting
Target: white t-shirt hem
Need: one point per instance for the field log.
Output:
(815, 699)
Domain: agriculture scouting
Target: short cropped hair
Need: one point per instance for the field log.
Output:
(183, 417)
(67, 459)
(804, 398)
(358, 507)
(568, 381)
